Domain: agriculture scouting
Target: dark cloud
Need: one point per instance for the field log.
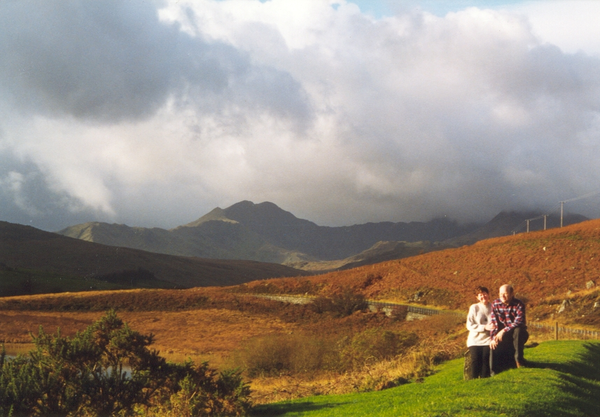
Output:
(115, 60)
(27, 198)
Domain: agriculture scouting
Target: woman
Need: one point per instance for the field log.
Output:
(479, 326)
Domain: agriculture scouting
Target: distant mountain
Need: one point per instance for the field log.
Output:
(26, 248)
(379, 252)
(264, 232)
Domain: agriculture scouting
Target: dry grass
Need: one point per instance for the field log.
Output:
(201, 335)
(16, 326)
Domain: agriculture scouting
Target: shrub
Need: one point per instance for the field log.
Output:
(375, 345)
(282, 354)
(304, 353)
(341, 305)
(109, 370)
(287, 354)
(197, 390)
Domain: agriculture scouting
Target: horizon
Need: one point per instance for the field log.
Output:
(343, 112)
(539, 214)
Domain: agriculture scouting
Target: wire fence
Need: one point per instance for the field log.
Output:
(569, 331)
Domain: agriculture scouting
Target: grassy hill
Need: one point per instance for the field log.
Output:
(48, 261)
(563, 381)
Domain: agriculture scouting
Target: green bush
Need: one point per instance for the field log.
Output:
(197, 390)
(108, 370)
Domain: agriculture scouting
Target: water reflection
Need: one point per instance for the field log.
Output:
(15, 349)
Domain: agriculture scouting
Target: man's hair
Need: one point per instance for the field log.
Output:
(480, 290)
(509, 288)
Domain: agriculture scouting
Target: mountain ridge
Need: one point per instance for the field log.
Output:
(266, 233)
(263, 232)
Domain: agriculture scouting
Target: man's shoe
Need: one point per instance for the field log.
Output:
(522, 364)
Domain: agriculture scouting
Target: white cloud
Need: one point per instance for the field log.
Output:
(572, 25)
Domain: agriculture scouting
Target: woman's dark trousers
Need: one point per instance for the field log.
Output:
(480, 361)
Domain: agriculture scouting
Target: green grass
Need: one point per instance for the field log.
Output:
(563, 380)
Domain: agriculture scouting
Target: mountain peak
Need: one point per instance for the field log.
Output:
(217, 214)
(247, 212)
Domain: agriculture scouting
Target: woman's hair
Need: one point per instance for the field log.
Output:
(479, 290)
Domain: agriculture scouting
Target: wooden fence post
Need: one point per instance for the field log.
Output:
(555, 330)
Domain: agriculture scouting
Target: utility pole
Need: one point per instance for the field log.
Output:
(562, 211)
(545, 215)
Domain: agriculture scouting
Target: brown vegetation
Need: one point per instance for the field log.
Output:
(228, 326)
(539, 265)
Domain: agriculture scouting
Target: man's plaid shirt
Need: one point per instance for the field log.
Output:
(507, 316)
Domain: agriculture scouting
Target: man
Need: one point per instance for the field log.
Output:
(508, 331)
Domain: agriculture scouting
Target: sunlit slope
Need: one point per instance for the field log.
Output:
(538, 264)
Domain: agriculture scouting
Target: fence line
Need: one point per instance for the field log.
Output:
(305, 299)
(410, 308)
(585, 333)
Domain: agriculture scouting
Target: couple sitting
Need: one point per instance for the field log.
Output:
(497, 333)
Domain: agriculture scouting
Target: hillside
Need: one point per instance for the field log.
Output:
(509, 222)
(314, 351)
(264, 232)
(24, 248)
(555, 263)
(551, 265)
(548, 269)
(379, 252)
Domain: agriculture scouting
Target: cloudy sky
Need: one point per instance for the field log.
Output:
(341, 112)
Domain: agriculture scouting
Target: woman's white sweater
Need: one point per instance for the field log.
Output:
(479, 316)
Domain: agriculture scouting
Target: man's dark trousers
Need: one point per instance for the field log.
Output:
(509, 351)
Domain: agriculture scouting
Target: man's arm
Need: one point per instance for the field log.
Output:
(494, 321)
(499, 333)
